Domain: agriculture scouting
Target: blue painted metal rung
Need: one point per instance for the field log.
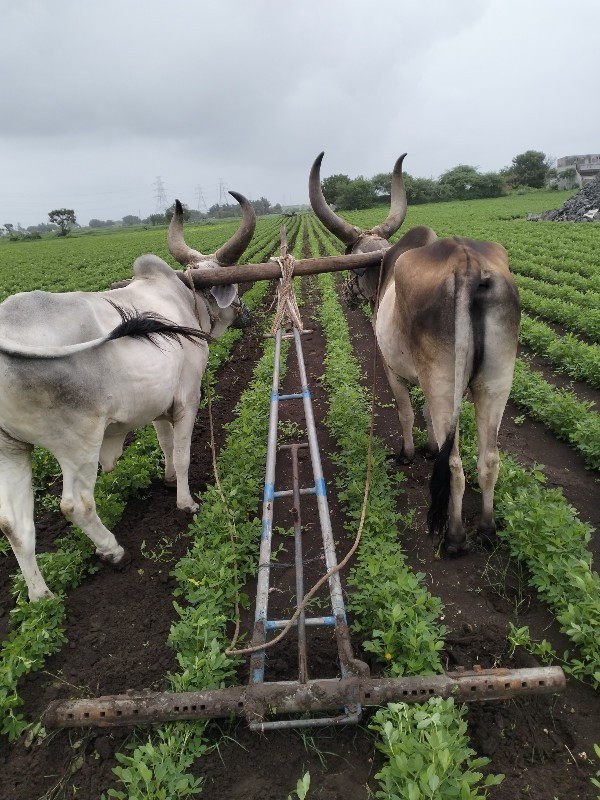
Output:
(290, 492)
(313, 622)
(297, 396)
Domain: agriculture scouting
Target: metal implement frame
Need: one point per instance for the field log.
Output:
(349, 666)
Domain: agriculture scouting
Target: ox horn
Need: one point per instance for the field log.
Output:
(398, 204)
(226, 255)
(345, 232)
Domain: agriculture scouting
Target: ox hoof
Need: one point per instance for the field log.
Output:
(455, 549)
(118, 561)
(170, 483)
(403, 458)
(430, 452)
(189, 507)
(487, 536)
(45, 594)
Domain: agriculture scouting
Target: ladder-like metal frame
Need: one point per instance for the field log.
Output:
(349, 666)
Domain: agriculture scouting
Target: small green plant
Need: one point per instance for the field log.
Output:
(428, 753)
(595, 780)
(302, 788)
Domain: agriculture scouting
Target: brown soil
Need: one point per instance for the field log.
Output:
(117, 624)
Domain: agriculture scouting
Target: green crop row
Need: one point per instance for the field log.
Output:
(93, 263)
(569, 418)
(562, 291)
(568, 353)
(560, 277)
(572, 316)
(390, 601)
(540, 528)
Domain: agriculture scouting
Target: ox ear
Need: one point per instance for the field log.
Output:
(224, 295)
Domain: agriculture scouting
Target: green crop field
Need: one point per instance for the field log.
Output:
(396, 614)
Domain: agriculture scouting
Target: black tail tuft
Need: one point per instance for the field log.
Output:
(439, 487)
(150, 326)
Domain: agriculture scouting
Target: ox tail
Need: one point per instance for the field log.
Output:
(135, 324)
(468, 355)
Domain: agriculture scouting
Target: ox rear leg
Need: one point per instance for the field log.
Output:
(406, 415)
(489, 409)
(447, 480)
(431, 446)
(16, 512)
(183, 425)
(456, 540)
(164, 431)
(79, 507)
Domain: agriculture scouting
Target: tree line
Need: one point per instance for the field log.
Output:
(463, 182)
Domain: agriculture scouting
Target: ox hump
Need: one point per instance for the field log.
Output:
(151, 266)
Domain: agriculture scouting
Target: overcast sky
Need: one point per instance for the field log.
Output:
(99, 97)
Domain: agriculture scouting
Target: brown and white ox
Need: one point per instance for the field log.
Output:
(446, 318)
(79, 370)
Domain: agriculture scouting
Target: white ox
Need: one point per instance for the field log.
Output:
(79, 370)
(447, 320)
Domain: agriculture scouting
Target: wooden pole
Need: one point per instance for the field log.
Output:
(219, 276)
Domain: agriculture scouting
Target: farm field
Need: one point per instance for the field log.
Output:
(165, 621)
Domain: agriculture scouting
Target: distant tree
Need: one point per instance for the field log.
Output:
(224, 211)
(168, 215)
(156, 219)
(9, 227)
(333, 186)
(131, 219)
(529, 169)
(467, 183)
(356, 194)
(64, 218)
(261, 206)
(382, 183)
(461, 180)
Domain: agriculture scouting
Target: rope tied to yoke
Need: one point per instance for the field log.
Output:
(287, 303)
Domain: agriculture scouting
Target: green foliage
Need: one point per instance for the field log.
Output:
(568, 353)
(333, 186)
(428, 753)
(356, 194)
(467, 183)
(559, 410)
(302, 787)
(529, 169)
(64, 218)
(595, 780)
(149, 771)
(540, 528)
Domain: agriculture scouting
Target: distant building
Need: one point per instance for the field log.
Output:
(577, 170)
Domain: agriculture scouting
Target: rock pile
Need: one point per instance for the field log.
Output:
(582, 207)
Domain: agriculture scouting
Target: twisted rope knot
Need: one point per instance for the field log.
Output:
(287, 304)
